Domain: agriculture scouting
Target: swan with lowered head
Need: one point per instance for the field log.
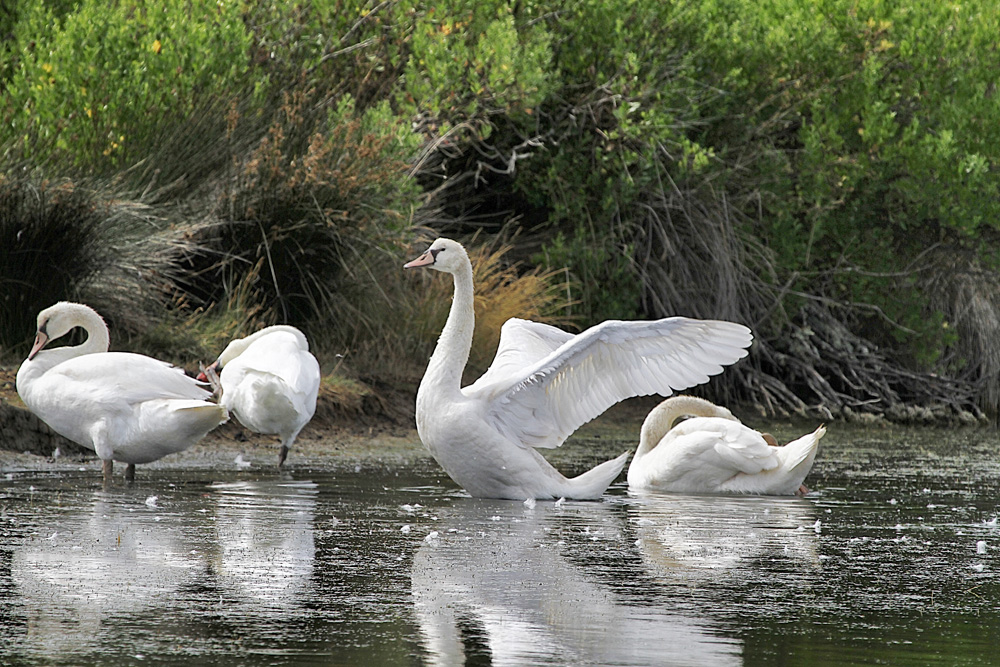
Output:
(544, 383)
(269, 381)
(126, 407)
(712, 452)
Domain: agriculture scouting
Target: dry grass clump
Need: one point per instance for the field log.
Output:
(190, 334)
(71, 240)
(312, 205)
(969, 297)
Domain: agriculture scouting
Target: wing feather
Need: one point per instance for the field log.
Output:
(124, 375)
(522, 344)
(280, 354)
(541, 402)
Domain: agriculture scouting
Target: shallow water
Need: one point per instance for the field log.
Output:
(893, 558)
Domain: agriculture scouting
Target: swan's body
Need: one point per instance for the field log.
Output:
(545, 383)
(269, 382)
(714, 453)
(126, 407)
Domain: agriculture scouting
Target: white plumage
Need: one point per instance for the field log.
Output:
(270, 381)
(545, 383)
(714, 453)
(126, 407)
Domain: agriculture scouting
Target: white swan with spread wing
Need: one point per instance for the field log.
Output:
(126, 407)
(269, 381)
(545, 383)
(713, 452)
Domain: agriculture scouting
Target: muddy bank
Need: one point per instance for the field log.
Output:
(351, 413)
(355, 421)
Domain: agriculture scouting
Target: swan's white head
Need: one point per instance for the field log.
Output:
(443, 255)
(58, 320)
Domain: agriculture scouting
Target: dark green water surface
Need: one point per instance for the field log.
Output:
(893, 558)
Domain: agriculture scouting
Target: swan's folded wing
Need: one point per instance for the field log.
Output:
(124, 375)
(297, 368)
(306, 382)
(279, 354)
(743, 449)
(545, 402)
(523, 344)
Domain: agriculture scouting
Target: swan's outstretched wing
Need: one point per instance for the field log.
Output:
(523, 344)
(542, 404)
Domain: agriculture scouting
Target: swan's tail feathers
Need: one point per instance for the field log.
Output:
(200, 417)
(593, 483)
(800, 454)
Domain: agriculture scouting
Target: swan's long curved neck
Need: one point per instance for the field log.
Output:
(452, 351)
(98, 338)
(662, 418)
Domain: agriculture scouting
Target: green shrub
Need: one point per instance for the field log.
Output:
(721, 158)
(860, 135)
(616, 134)
(92, 86)
(470, 60)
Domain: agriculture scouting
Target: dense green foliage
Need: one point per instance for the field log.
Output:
(780, 162)
(876, 129)
(91, 87)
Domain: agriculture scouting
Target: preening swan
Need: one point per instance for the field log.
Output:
(126, 407)
(545, 383)
(714, 453)
(269, 382)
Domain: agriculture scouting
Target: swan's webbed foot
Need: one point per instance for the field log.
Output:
(282, 455)
(107, 469)
(130, 472)
(802, 490)
(770, 439)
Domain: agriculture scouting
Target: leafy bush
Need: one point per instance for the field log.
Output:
(92, 86)
(875, 133)
(781, 163)
(469, 60)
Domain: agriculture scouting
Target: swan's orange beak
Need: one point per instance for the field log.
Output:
(41, 340)
(424, 260)
(202, 377)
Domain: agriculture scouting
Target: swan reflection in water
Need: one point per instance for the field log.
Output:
(690, 537)
(115, 557)
(265, 547)
(524, 585)
(132, 564)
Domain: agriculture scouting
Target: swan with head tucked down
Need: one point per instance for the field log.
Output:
(544, 383)
(269, 380)
(712, 452)
(126, 407)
